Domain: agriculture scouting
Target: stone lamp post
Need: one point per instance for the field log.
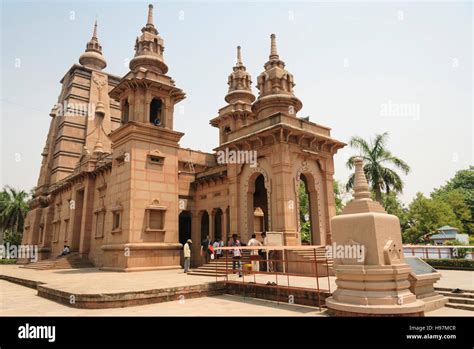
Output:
(376, 284)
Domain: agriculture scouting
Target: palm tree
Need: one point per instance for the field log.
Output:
(376, 157)
(13, 209)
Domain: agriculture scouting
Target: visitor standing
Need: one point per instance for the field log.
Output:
(254, 253)
(236, 254)
(205, 249)
(187, 255)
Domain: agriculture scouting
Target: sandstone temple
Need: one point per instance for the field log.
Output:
(116, 186)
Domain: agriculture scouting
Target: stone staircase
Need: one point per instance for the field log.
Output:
(70, 261)
(218, 267)
(325, 264)
(462, 300)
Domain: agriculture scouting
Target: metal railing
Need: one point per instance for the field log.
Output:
(277, 263)
(437, 251)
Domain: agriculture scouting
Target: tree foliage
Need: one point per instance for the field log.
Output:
(378, 161)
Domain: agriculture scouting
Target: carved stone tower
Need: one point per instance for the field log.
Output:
(238, 112)
(145, 165)
(276, 88)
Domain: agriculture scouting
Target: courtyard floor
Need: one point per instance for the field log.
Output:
(19, 300)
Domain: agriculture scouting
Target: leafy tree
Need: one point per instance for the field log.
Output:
(338, 197)
(13, 209)
(376, 158)
(393, 205)
(425, 215)
(457, 190)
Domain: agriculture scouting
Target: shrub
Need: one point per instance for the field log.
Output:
(451, 263)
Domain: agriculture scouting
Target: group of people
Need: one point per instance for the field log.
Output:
(213, 250)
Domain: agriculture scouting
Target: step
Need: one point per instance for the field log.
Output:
(460, 300)
(457, 295)
(460, 306)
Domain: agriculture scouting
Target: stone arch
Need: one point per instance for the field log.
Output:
(315, 189)
(249, 189)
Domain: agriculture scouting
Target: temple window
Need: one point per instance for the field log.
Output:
(155, 111)
(155, 214)
(117, 218)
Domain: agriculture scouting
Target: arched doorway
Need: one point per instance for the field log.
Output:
(204, 225)
(304, 213)
(217, 224)
(308, 214)
(257, 198)
(184, 226)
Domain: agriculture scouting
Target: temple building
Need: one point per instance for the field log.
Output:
(116, 186)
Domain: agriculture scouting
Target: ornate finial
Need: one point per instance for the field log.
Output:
(150, 15)
(239, 56)
(273, 49)
(94, 34)
(361, 187)
(92, 57)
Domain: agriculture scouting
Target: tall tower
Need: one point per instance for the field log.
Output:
(238, 111)
(145, 165)
(276, 88)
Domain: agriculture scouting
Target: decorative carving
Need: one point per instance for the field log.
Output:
(391, 253)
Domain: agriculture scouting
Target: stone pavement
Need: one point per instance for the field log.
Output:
(20, 300)
(23, 301)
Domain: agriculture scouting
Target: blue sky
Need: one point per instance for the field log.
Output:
(351, 61)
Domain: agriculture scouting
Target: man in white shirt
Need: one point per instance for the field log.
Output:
(254, 253)
(187, 255)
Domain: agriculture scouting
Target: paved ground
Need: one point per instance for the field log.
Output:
(20, 300)
(93, 280)
(456, 279)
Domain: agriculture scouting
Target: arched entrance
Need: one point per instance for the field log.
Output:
(257, 197)
(308, 210)
(204, 225)
(217, 224)
(184, 226)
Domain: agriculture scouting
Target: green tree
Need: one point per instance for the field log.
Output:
(458, 189)
(13, 209)
(393, 205)
(376, 158)
(425, 215)
(338, 197)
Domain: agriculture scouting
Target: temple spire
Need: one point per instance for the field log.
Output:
(241, 81)
(94, 34)
(362, 202)
(361, 187)
(150, 15)
(273, 48)
(92, 57)
(149, 26)
(239, 57)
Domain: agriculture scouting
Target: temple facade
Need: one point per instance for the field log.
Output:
(116, 186)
